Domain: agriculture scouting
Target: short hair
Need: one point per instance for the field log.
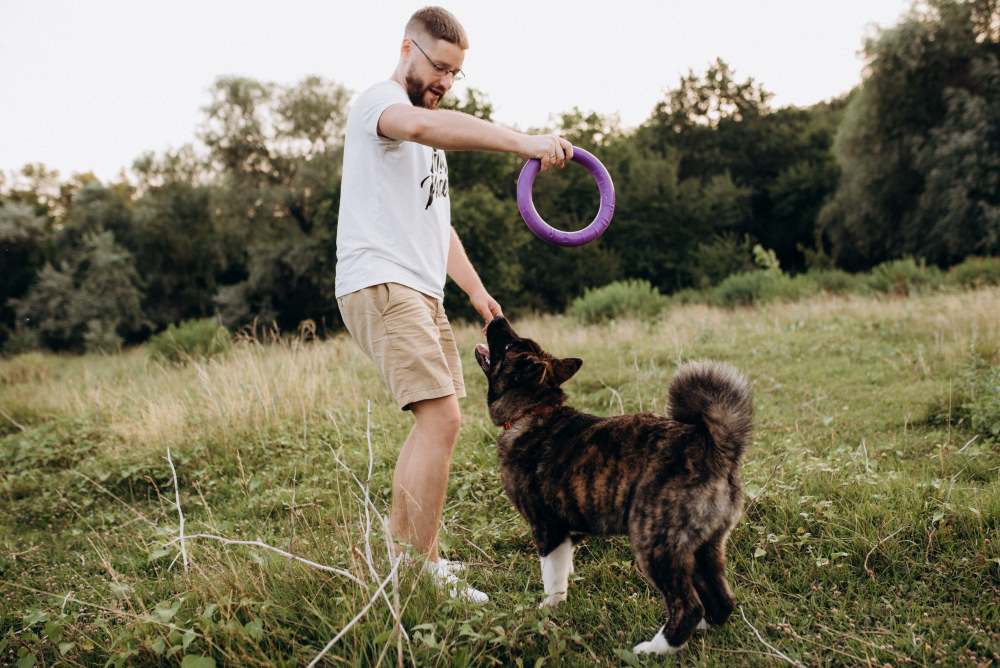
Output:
(439, 23)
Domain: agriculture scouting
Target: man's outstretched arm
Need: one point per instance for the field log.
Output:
(457, 131)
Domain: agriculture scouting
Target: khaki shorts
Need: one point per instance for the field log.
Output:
(407, 335)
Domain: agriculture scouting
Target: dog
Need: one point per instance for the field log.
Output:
(670, 483)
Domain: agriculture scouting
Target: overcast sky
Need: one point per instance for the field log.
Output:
(91, 85)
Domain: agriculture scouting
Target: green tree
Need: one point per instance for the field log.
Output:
(492, 234)
(23, 241)
(277, 152)
(466, 169)
(920, 142)
(717, 127)
(92, 300)
(178, 249)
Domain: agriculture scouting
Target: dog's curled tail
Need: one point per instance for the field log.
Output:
(718, 396)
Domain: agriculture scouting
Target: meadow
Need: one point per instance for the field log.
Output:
(870, 535)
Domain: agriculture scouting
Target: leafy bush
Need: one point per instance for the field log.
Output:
(837, 282)
(191, 339)
(687, 296)
(975, 402)
(982, 403)
(21, 340)
(976, 272)
(904, 277)
(101, 337)
(723, 256)
(88, 301)
(634, 298)
(758, 287)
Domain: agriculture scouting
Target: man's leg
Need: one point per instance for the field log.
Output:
(421, 478)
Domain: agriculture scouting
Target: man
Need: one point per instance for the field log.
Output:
(395, 245)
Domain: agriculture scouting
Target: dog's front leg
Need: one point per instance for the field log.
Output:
(556, 567)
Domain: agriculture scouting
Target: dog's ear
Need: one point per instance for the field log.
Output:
(536, 371)
(565, 368)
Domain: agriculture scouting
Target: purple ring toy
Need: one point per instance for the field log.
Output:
(545, 232)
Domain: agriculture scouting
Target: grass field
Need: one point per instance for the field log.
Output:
(870, 535)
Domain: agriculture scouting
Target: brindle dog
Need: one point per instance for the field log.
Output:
(671, 483)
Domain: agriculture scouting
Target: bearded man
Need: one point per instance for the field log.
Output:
(395, 248)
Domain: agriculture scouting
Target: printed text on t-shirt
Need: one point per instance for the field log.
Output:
(437, 179)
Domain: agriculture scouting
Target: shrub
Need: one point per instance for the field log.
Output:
(191, 339)
(633, 298)
(975, 402)
(758, 287)
(688, 296)
(88, 301)
(976, 272)
(836, 281)
(102, 337)
(21, 340)
(723, 256)
(904, 277)
(982, 403)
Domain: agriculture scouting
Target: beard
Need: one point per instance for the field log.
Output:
(422, 94)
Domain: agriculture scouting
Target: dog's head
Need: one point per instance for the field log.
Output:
(520, 374)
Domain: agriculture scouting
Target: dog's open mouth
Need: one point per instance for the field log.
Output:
(482, 354)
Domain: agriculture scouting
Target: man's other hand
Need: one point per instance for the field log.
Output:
(487, 307)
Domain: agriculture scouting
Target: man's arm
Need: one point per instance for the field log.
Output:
(463, 273)
(457, 131)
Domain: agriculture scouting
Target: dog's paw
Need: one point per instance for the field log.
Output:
(702, 625)
(658, 645)
(552, 600)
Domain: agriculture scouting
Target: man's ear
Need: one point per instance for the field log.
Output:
(565, 368)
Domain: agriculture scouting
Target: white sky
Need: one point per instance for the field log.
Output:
(91, 85)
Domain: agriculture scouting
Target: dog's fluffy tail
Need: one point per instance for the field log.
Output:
(717, 396)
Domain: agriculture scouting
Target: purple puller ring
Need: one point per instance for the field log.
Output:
(545, 232)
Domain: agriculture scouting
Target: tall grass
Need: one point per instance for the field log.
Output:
(870, 534)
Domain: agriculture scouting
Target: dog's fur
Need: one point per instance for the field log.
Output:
(670, 483)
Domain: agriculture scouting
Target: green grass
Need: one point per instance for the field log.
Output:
(870, 535)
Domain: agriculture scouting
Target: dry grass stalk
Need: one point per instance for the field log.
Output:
(774, 651)
(177, 496)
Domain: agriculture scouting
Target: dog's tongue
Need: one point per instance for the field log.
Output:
(483, 350)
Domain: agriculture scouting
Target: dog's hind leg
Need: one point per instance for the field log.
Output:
(672, 575)
(557, 564)
(710, 580)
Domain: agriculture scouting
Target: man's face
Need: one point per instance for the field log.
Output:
(425, 83)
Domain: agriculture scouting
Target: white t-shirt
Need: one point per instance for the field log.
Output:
(395, 214)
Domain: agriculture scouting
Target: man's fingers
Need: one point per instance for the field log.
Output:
(555, 153)
(546, 160)
(567, 148)
(558, 152)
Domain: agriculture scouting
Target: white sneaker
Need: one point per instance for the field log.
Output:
(452, 566)
(447, 564)
(443, 575)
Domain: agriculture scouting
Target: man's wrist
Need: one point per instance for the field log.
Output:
(522, 143)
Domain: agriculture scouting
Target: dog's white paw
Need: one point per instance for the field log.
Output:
(658, 645)
(702, 625)
(552, 600)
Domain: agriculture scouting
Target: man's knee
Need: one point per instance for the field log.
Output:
(442, 414)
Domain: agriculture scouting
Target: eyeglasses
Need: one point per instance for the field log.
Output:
(457, 75)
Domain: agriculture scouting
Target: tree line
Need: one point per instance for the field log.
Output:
(242, 226)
